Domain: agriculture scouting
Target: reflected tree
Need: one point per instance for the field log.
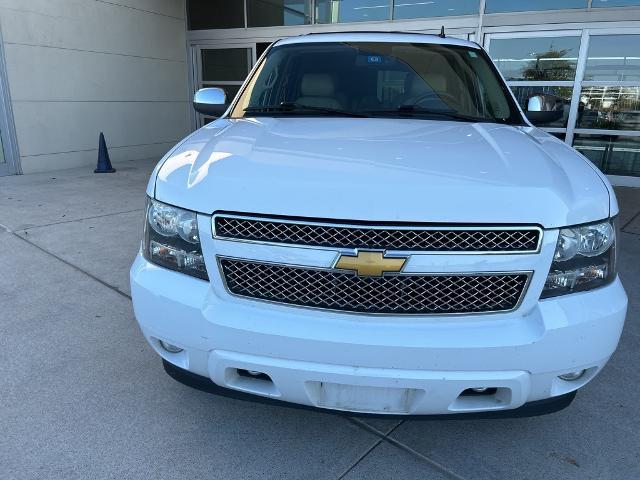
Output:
(550, 65)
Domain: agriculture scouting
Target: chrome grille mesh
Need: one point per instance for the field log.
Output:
(386, 238)
(395, 294)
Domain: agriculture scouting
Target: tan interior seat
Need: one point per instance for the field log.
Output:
(318, 90)
(437, 81)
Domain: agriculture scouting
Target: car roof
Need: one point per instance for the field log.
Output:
(384, 37)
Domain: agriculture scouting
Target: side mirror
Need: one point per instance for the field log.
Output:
(210, 101)
(544, 108)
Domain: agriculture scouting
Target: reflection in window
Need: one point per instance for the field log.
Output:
(496, 6)
(206, 14)
(610, 108)
(613, 155)
(614, 3)
(523, 94)
(338, 11)
(545, 58)
(266, 13)
(225, 64)
(436, 8)
(613, 58)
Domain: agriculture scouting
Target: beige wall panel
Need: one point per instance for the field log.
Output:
(53, 74)
(93, 26)
(172, 8)
(88, 159)
(80, 67)
(55, 127)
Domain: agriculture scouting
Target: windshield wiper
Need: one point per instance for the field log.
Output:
(409, 109)
(297, 107)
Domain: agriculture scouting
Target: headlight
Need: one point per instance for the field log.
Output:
(585, 258)
(171, 239)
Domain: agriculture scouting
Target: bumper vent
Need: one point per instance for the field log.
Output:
(401, 294)
(389, 237)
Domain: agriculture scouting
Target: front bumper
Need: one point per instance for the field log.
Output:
(381, 364)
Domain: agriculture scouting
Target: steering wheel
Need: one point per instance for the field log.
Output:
(437, 95)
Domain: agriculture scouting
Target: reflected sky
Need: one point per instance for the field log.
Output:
(497, 6)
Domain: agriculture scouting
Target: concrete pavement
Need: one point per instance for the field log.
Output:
(82, 396)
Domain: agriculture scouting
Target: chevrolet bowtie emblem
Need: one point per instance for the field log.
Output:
(370, 264)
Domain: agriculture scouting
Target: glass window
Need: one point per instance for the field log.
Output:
(614, 3)
(206, 14)
(523, 94)
(542, 58)
(378, 79)
(261, 47)
(610, 108)
(613, 58)
(338, 11)
(225, 64)
(614, 155)
(496, 6)
(436, 8)
(266, 13)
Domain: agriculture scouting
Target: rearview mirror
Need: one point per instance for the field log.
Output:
(210, 101)
(544, 108)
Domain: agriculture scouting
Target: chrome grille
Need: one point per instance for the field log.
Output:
(394, 294)
(386, 237)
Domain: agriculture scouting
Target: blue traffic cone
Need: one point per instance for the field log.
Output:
(104, 162)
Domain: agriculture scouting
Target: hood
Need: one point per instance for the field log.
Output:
(378, 169)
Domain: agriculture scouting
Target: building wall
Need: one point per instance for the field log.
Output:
(79, 67)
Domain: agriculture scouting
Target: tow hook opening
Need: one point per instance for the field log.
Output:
(253, 374)
(479, 391)
(482, 398)
(252, 381)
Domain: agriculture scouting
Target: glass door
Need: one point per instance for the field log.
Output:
(222, 67)
(539, 62)
(597, 73)
(607, 127)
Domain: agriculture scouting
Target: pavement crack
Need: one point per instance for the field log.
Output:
(78, 220)
(75, 267)
(360, 458)
(622, 229)
(370, 449)
(436, 465)
(386, 437)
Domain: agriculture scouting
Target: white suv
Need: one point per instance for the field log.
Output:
(373, 225)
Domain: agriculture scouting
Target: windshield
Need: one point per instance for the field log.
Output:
(377, 79)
